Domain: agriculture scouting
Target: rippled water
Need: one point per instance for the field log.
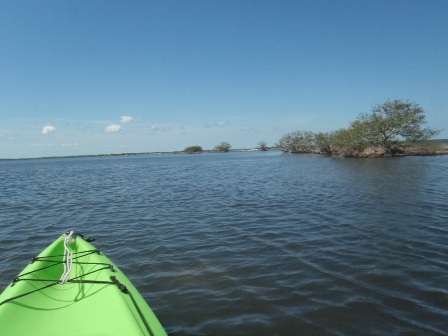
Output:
(250, 243)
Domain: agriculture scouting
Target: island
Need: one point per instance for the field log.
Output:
(394, 128)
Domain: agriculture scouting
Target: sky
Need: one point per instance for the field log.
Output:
(106, 76)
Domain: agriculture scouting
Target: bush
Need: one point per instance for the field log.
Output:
(262, 146)
(193, 149)
(223, 147)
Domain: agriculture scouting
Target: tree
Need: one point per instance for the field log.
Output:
(263, 146)
(389, 125)
(385, 131)
(393, 122)
(323, 141)
(297, 142)
(223, 147)
(193, 149)
(349, 140)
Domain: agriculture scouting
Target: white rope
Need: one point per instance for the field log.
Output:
(68, 257)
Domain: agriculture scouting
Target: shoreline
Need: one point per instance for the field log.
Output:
(372, 152)
(443, 150)
(210, 151)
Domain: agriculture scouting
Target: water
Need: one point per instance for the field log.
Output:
(250, 243)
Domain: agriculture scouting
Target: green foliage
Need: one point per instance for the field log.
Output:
(305, 142)
(354, 138)
(323, 141)
(297, 142)
(388, 126)
(223, 147)
(394, 122)
(193, 149)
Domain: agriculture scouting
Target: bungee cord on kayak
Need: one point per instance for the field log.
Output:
(73, 278)
(68, 256)
(68, 262)
(59, 282)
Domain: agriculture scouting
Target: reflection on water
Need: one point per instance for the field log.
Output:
(250, 243)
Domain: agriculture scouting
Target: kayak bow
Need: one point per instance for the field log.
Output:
(71, 288)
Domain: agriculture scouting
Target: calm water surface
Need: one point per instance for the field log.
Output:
(250, 243)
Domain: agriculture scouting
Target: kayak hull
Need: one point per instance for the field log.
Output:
(98, 299)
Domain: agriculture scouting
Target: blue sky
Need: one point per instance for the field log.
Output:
(104, 76)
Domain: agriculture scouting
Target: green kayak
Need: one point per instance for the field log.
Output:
(71, 288)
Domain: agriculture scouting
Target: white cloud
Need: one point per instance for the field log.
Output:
(250, 129)
(70, 145)
(161, 129)
(48, 129)
(113, 128)
(219, 124)
(126, 119)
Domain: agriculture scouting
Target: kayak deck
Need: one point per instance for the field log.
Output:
(97, 299)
